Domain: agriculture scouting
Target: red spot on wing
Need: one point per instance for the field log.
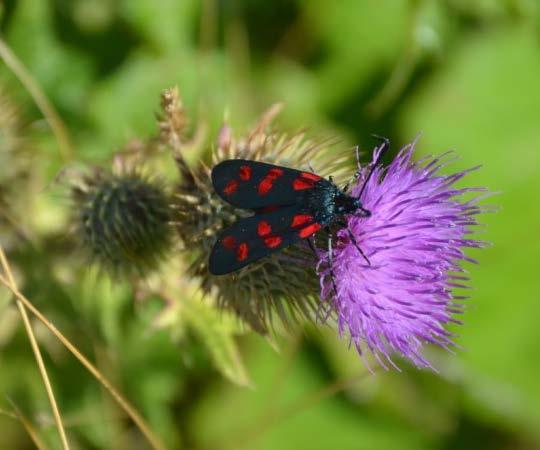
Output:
(275, 173)
(229, 242)
(309, 230)
(272, 241)
(268, 181)
(263, 228)
(305, 181)
(242, 252)
(264, 186)
(299, 184)
(300, 220)
(244, 173)
(231, 187)
(310, 176)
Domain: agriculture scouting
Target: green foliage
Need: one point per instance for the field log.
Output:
(216, 332)
(490, 96)
(464, 73)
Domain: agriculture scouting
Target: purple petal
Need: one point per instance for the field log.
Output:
(414, 239)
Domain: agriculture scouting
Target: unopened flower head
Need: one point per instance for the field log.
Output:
(123, 221)
(414, 240)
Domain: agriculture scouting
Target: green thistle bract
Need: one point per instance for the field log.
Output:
(123, 221)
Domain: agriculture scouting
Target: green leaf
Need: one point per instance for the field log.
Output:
(287, 410)
(359, 38)
(167, 25)
(484, 104)
(216, 330)
(124, 105)
(64, 73)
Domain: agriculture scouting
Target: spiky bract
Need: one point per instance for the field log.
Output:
(123, 221)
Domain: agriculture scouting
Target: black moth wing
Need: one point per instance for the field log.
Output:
(252, 184)
(252, 238)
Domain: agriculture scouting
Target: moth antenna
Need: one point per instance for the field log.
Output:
(354, 241)
(357, 173)
(380, 152)
(357, 152)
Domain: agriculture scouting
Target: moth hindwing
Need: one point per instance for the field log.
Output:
(252, 238)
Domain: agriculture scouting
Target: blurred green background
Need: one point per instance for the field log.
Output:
(464, 73)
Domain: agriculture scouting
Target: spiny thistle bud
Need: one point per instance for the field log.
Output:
(284, 283)
(123, 221)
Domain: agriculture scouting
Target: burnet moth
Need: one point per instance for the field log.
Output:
(289, 205)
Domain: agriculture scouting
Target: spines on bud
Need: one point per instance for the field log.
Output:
(123, 221)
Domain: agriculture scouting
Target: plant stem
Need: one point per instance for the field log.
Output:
(27, 425)
(37, 354)
(42, 102)
(154, 441)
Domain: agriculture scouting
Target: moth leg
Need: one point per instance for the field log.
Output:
(354, 179)
(331, 260)
(357, 153)
(354, 241)
(310, 240)
(312, 246)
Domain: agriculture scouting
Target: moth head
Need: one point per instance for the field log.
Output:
(346, 204)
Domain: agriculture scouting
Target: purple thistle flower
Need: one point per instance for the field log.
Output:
(414, 240)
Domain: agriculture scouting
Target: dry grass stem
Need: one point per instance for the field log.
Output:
(154, 441)
(29, 427)
(37, 353)
(41, 100)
